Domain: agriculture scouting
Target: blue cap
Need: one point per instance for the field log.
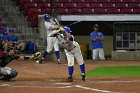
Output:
(47, 16)
(11, 30)
(95, 26)
(67, 29)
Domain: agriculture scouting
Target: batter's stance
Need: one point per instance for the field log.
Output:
(72, 50)
(52, 42)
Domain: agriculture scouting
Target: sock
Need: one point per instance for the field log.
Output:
(70, 69)
(45, 54)
(57, 54)
(82, 67)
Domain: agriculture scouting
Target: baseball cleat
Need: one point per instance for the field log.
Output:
(39, 61)
(84, 77)
(58, 61)
(70, 79)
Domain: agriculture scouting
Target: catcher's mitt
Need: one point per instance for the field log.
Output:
(36, 56)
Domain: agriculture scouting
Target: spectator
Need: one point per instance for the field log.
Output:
(3, 34)
(12, 39)
(0, 23)
(97, 43)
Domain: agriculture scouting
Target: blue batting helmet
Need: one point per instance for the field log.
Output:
(67, 29)
(95, 26)
(47, 16)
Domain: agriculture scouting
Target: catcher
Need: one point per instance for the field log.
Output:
(7, 73)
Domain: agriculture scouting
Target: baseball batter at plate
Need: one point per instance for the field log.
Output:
(52, 42)
(72, 50)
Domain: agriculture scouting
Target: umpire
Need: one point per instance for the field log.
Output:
(97, 43)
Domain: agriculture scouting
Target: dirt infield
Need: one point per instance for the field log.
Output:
(50, 77)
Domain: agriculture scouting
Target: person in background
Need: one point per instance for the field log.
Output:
(97, 43)
(12, 40)
(3, 34)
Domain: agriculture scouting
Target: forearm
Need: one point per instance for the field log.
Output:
(54, 27)
(98, 38)
(101, 38)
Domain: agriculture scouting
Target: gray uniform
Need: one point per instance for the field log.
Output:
(52, 42)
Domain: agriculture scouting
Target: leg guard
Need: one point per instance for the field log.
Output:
(8, 73)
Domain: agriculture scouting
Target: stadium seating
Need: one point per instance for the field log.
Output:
(137, 1)
(126, 11)
(121, 5)
(91, 1)
(77, 1)
(43, 5)
(108, 5)
(61, 11)
(64, 1)
(113, 11)
(87, 11)
(136, 11)
(133, 5)
(103, 1)
(69, 5)
(74, 11)
(100, 11)
(95, 5)
(130, 1)
(82, 5)
(77, 7)
(116, 1)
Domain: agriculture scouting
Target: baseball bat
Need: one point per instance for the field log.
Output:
(57, 21)
(73, 23)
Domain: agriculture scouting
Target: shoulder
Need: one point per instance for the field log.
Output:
(100, 33)
(92, 33)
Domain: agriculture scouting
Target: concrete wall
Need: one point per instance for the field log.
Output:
(108, 43)
(125, 55)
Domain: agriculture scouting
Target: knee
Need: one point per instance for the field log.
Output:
(70, 63)
(48, 50)
(81, 63)
(13, 74)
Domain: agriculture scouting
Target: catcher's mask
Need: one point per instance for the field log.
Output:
(37, 55)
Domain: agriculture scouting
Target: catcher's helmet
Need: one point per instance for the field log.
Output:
(47, 16)
(36, 56)
(67, 29)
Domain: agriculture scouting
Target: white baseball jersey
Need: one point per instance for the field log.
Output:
(52, 42)
(74, 52)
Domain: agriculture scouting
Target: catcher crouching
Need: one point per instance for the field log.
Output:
(7, 73)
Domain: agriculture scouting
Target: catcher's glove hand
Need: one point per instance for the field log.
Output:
(36, 56)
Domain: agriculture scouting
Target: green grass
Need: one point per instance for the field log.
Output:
(133, 71)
